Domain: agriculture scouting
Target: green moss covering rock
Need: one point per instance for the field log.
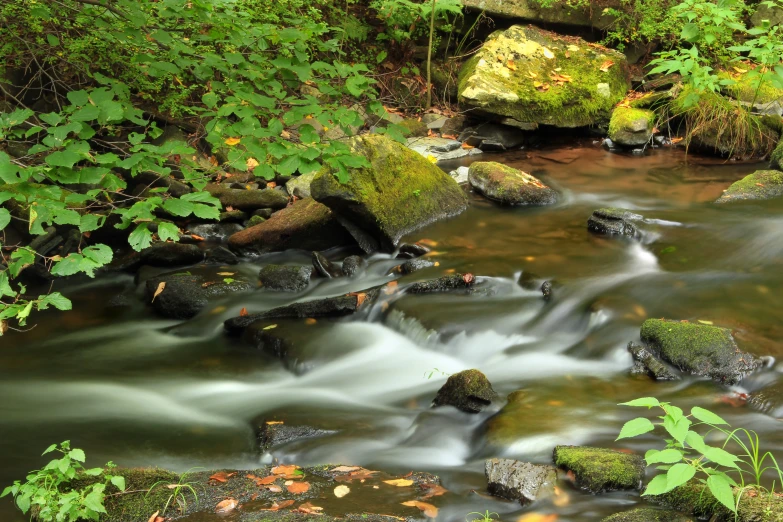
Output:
(534, 76)
(776, 158)
(600, 469)
(647, 515)
(762, 184)
(399, 192)
(248, 200)
(700, 349)
(414, 127)
(693, 497)
(508, 185)
(469, 391)
(307, 225)
(631, 127)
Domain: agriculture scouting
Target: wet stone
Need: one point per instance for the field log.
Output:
(615, 221)
(443, 284)
(645, 362)
(220, 255)
(408, 250)
(648, 515)
(469, 391)
(285, 278)
(171, 254)
(324, 267)
(185, 293)
(352, 265)
(276, 433)
(600, 469)
(414, 265)
(768, 400)
(521, 481)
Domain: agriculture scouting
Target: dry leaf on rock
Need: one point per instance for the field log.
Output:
(537, 517)
(277, 507)
(194, 237)
(345, 469)
(226, 506)
(226, 273)
(274, 489)
(251, 163)
(266, 480)
(243, 312)
(429, 510)
(400, 483)
(154, 517)
(309, 509)
(222, 476)
(159, 290)
(341, 491)
(285, 470)
(298, 487)
(433, 490)
(606, 65)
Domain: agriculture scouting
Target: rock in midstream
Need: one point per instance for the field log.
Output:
(443, 284)
(285, 278)
(646, 362)
(469, 391)
(352, 265)
(276, 433)
(171, 255)
(521, 481)
(183, 294)
(600, 469)
(615, 222)
(324, 267)
(509, 186)
(648, 514)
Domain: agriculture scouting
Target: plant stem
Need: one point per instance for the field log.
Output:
(429, 57)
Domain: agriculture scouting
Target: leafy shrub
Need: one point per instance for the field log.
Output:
(48, 492)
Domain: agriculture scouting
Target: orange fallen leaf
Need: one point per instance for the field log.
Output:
(360, 297)
(271, 184)
(433, 490)
(537, 517)
(606, 65)
(285, 470)
(467, 147)
(232, 141)
(390, 287)
(243, 312)
(298, 487)
(277, 507)
(309, 509)
(222, 476)
(226, 506)
(400, 483)
(229, 209)
(266, 480)
(194, 237)
(429, 510)
(285, 135)
(311, 321)
(226, 273)
(427, 242)
(159, 290)
(449, 136)
(154, 517)
(562, 498)
(274, 489)
(345, 469)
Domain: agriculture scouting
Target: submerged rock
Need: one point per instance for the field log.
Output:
(327, 307)
(600, 469)
(184, 294)
(700, 349)
(493, 137)
(646, 362)
(648, 515)
(324, 267)
(521, 481)
(469, 391)
(762, 184)
(769, 400)
(276, 433)
(412, 250)
(171, 254)
(306, 224)
(443, 284)
(398, 193)
(537, 77)
(285, 278)
(631, 127)
(508, 185)
(612, 221)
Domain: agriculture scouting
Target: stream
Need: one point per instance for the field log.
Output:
(127, 386)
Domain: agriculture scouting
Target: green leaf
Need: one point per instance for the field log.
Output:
(667, 456)
(79, 98)
(90, 222)
(94, 501)
(65, 158)
(677, 429)
(77, 455)
(678, 475)
(5, 218)
(696, 441)
(635, 427)
(720, 488)
(100, 254)
(649, 402)
(94, 472)
(23, 501)
(52, 40)
(119, 482)
(178, 207)
(722, 457)
(707, 416)
(55, 299)
(5, 287)
(657, 486)
(140, 238)
(168, 231)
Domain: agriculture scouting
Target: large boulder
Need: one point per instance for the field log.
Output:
(306, 224)
(534, 11)
(600, 469)
(708, 351)
(762, 184)
(631, 127)
(469, 391)
(521, 481)
(533, 76)
(508, 185)
(398, 192)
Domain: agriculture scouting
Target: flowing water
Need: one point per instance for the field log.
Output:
(130, 387)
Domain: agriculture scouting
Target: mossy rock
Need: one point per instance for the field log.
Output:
(631, 127)
(693, 497)
(762, 184)
(399, 192)
(535, 11)
(414, 127)
(647, 515)
(600, 469)
(776, 158)
(508, 185)
(700, 349)
(248, 200)
(748, 89)
(534, 76)
(468, 390)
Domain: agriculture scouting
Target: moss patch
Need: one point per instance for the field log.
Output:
(508, 185)
(762, 184)
(699, 349)
(600, 469)
(749, 90)
(398, 193)
(776, 158)
(647, 515)
(630, 126)
(694, 498)
(469, 391)
(535, 76)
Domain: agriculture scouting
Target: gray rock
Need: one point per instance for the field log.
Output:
(300, 185)
(646, 362)
(521, 481)
(273, 434)
(233, 216)
(460, 175)
(171, 254)
(414, 265)
(186, 293)
(324, 267)
(443, 284)
(762, 184)
(408, 250)
(469, 391)
(631, 127)
(769, 400)
(442, 149)
(546, 290)
(352, 265)
(436, 124)
(509, 186)
(493, 136)
(700, 349)
(217, 231)
(265, 213)
(285, 278)
(612, 221)
(220, 255)
(454, 126)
